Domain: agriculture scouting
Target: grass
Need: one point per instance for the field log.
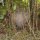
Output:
(21, 35)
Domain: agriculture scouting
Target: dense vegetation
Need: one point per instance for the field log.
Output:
(19, 19)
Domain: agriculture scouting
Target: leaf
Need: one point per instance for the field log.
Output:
(14, 7)
(25, 1)
(1, 16)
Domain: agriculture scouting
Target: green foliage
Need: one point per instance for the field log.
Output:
(15, 3)
(1, 16)
(25, 1)
(2, 12)
(38, 1)
(14, 7)
(22, 3)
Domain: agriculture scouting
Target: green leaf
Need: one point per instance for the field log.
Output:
(1, 16)
(14, 7)
(25, 1)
